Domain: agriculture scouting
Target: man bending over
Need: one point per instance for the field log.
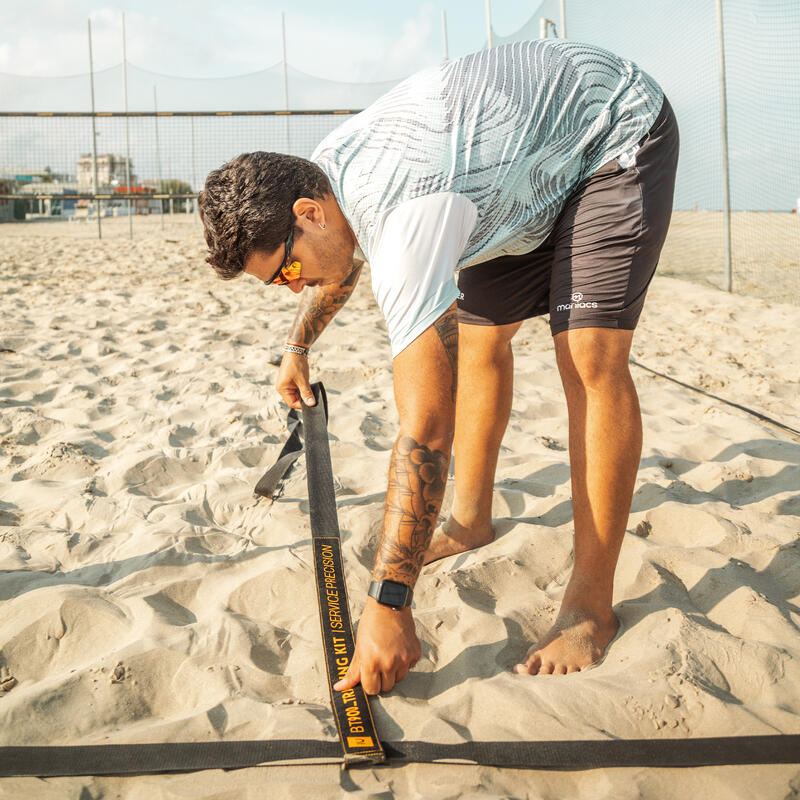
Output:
(533, 178)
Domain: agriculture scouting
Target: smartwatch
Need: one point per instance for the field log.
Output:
(391, 593)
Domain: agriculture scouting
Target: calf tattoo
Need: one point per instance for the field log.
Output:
(417, 478)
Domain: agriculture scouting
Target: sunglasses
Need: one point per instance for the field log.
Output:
(289, 270)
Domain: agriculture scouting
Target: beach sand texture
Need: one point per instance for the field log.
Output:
(147, 595)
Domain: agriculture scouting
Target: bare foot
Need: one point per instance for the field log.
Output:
(577, 639)
(452, 537)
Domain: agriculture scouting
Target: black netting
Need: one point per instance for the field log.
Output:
(675, 42)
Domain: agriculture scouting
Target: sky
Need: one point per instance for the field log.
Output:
(350, 40)
(365, 42)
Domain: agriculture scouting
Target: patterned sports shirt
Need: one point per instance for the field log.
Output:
(474, 159)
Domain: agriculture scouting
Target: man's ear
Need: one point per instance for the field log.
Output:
(308, 209)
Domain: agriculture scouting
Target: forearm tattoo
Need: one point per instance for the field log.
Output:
(417, 478)
(318, 307)
(447, 329)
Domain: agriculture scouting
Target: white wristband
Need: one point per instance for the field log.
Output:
(294, 348)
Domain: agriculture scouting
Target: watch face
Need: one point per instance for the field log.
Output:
(393, 594)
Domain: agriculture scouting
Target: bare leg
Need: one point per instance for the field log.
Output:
(483, 406)
(605, 443)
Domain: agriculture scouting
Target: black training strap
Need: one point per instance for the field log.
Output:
(351, 709)
(271, 481)
(122, 759)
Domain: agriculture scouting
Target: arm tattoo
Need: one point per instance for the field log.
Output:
(417, 478)
(447, 328)
(319, 305)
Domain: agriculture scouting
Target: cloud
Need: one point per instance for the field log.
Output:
(50, 39)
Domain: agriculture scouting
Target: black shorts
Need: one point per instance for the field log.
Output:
(594, 268)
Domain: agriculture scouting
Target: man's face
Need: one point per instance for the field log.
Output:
(325, 255)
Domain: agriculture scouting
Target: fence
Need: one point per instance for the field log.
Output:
(740, 209)
(681, 43)
(148, 164)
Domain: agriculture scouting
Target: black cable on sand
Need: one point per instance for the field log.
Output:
(758, 414)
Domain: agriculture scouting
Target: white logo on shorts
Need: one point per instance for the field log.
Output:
(576, 302)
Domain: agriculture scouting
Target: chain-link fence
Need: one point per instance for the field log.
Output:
(746, 229)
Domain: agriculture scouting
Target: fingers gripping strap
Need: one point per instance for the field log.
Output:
(271, 482)
(351, 709)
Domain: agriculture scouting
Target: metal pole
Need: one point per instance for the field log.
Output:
(194, 173)
(94, 136)
(563, 19)
(285, 79)
(127, 128)
(543, 27)
(444, 34)
(158, 159)
(489, 22)
(726, 189)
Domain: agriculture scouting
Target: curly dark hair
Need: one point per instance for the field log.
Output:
(246, 205)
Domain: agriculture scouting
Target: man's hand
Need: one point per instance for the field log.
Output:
(318, 305)
(386, 649)
(293, 381)
(425, 391)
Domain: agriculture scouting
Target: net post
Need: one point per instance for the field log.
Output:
(563, 19)
(194, 175)
(285, 79)
(158, 160)
(726, 189)
(94, 136)
(127, 128)
(489, 22)
(444, 34)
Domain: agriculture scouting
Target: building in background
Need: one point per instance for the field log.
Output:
(111, 171)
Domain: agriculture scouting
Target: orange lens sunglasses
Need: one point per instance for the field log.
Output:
(289, 270)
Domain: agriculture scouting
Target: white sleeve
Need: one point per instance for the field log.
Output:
(415, 251)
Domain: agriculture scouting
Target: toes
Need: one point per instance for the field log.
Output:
(535, 666)
(530, 666)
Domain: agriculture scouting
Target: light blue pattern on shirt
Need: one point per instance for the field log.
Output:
(515, 129)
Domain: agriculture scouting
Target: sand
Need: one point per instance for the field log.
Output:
(147, 594)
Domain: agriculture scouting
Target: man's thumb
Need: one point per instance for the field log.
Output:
(308, 395)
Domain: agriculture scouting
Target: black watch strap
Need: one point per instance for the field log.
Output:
(391, 593)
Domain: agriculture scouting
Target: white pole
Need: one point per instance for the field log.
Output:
(543, 27)
(444, 34)
(285, 79)
(127, 127)
(94, 136)
(489, 22)
(194, 174)
(158, 161)
(726, 189)
(563, 19)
